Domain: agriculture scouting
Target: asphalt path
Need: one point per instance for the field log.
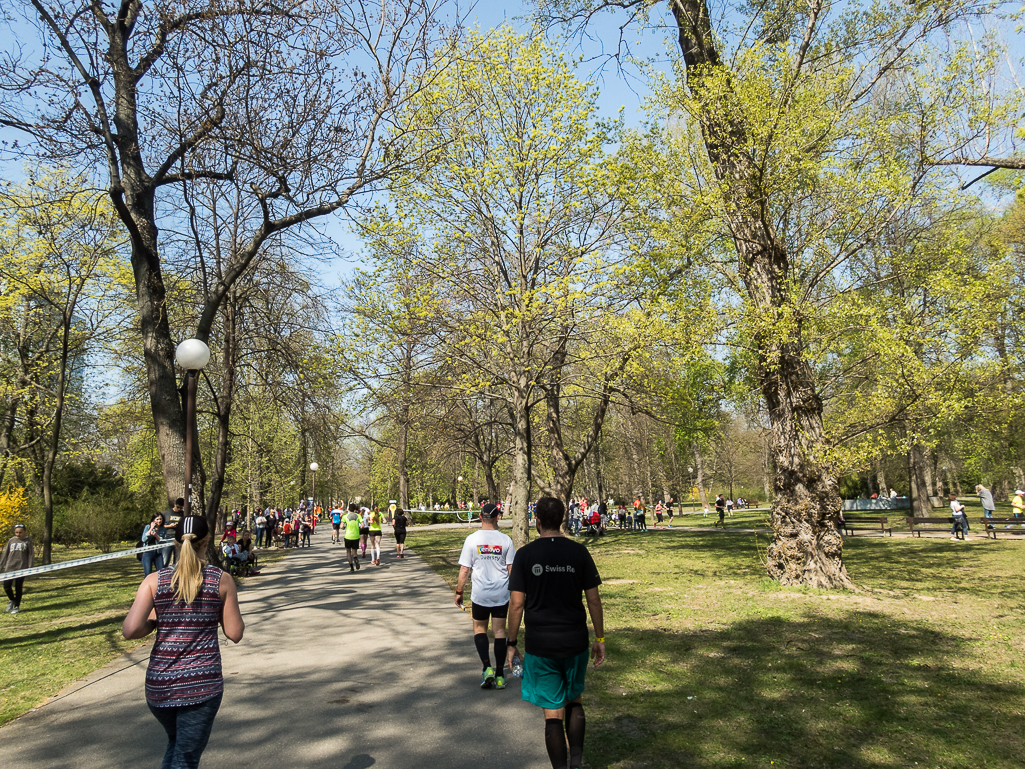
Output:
(339, 670)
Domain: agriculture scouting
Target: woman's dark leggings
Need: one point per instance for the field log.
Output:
(18, 589)
(188, 731)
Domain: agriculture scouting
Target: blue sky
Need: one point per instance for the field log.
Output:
(620, 88)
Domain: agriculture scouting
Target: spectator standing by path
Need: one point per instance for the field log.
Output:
(171, 518)
(17, 555)
(546, 582)
(988, 505)
(261, 529)
(184, 605)
(729, 507)
(960, 519)
(152, 532)
(399, 532)
(488, 554)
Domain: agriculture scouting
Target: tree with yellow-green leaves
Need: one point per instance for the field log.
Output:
(61, 277)
(522, 226)
(797, 134)
(384, 352)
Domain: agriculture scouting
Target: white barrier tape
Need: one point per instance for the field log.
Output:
(81, 561)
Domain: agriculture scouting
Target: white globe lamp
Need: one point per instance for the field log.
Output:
(192, 354)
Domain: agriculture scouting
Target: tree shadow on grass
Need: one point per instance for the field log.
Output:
(863, 690)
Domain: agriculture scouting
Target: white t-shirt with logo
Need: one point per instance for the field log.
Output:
(489, 553)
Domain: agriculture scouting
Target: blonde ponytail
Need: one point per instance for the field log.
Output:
(187, 578)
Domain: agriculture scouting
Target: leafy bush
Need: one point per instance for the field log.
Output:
(106, 517)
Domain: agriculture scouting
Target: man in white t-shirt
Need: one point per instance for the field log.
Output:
(489, 554)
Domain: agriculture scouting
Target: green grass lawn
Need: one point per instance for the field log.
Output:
(69, 625)
(711, 664)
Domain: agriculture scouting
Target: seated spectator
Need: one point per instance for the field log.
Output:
(232, 552)
(245, 543)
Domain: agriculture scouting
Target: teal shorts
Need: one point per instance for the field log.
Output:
(551, 683)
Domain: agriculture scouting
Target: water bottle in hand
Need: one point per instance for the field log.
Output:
(517, 667)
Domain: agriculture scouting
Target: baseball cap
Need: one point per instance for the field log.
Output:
(490, 510)
(192, 524)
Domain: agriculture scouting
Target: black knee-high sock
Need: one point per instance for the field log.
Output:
(480, 640)
(555, 741)
(575, 727)
(500, 650)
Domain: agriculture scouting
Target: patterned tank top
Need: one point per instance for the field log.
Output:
(185, 664)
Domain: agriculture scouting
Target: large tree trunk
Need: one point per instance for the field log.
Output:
(519, 487)
(884, 489)
(699, 474)
(807, 547)
(921, 507)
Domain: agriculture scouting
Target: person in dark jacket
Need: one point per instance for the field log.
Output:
(17, 555)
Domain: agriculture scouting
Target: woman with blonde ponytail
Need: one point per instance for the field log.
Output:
(184, 604)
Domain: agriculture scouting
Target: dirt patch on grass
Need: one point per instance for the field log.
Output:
(620, 582)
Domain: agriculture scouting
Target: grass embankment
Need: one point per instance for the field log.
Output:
(711, 664)
(69, 625)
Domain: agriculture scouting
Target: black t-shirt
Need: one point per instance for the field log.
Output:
(171, 518)
(400, 524)
(554, 572)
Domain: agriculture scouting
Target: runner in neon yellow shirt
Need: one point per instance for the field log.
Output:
(375, 537)
(351, 536)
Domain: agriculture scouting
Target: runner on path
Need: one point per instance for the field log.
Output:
(489, 554)
(336, 524)
(185, 604)
(546, 582)
(351, 522)
(399, 521)
(375, 537)
(364, 530)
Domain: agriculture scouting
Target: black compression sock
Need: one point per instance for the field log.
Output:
(480, 640)
(500, 650)
(575, 727)
(555, 741)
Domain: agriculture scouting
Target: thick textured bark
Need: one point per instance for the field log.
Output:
(519, 487)
(884, 489)
(807, 547)
(921, 508)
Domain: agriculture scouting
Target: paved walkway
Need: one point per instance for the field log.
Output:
(339, 670)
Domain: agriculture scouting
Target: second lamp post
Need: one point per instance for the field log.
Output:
(192, 355)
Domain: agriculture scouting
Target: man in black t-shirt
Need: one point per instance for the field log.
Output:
(546, 582)
(171, 518)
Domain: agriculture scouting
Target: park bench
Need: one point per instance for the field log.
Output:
(865, 523)
(999, 524)
(918, 525)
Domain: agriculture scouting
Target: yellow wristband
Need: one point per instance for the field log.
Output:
(600, 640)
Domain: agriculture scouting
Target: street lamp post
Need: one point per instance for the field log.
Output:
(314, 467)
(192, 355)
(459, 482)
